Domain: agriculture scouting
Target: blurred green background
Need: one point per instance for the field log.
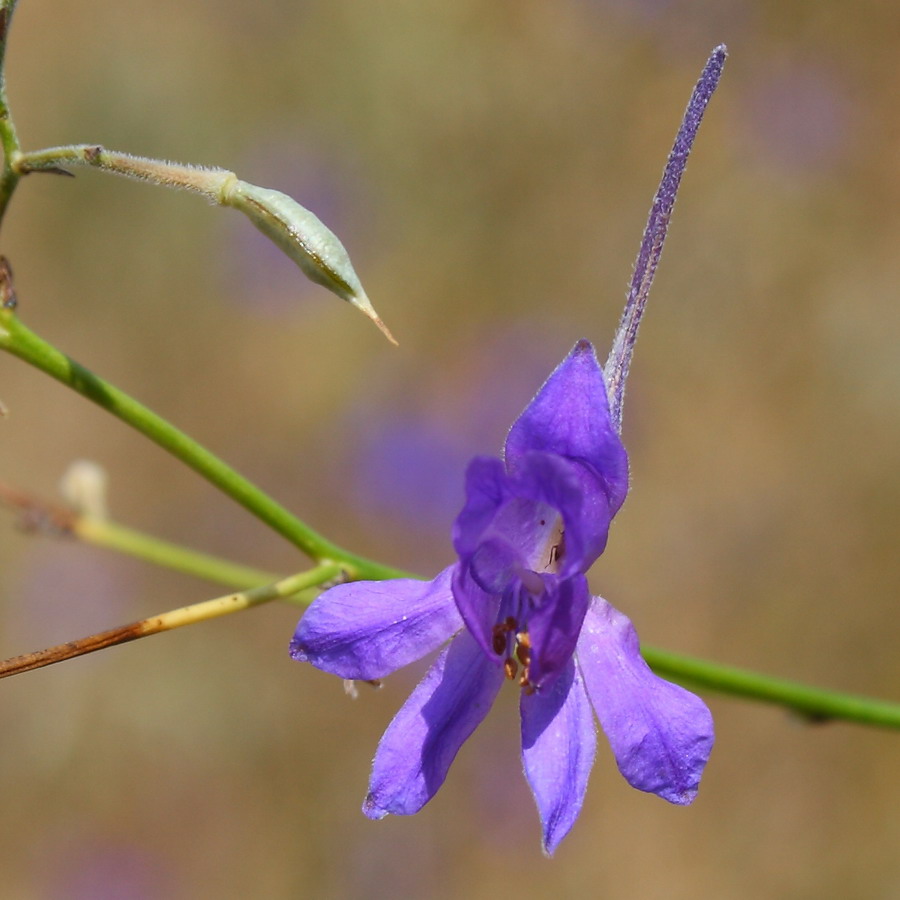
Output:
(489, 165)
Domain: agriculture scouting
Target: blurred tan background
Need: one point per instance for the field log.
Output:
(489, 165)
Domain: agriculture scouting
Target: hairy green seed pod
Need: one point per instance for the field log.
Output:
(303, 237)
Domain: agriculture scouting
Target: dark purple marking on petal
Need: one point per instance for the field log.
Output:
(559, 740)
(660, 733)
(554, 625)
(418, 747)
(368, 629)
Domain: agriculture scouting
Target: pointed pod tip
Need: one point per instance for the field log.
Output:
(304, 238)
(385, 330)
(364, 305)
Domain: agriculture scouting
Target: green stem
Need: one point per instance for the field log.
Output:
(18, 340)
(138, 544)
(9, 178)
(39, 516)
(103, 533)
(815, 704)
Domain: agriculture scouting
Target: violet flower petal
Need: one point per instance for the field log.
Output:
(660, 733)
(569, 417)
(487, 489)
(418, 747)
(559, 739)
(368, 629)
(554, 625)
(494, 565)
(479, 609)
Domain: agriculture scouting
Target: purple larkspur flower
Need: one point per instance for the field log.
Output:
(516, 604)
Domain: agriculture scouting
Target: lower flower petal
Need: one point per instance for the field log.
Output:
(418, 747)
(368, 629)
(558, 744)
(660, 733)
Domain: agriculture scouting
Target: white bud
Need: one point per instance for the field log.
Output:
(84, 487)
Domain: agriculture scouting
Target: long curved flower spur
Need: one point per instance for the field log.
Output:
(516, 604)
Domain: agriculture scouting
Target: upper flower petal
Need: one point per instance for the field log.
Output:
(558, 744)
(570, 417)
(660, 733)
(554, 625)
(418, 747)
(368, 629)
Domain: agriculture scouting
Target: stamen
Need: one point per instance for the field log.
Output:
(500, 634)
(506, 634)
(523, 648)
(525, 684)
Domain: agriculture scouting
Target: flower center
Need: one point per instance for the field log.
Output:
(509, 637)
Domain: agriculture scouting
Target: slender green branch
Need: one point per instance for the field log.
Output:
(7, 8)
(9, 140)
(36, 515)
(18, 340)
(815, 704)
(112, 536)
(176, 618)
